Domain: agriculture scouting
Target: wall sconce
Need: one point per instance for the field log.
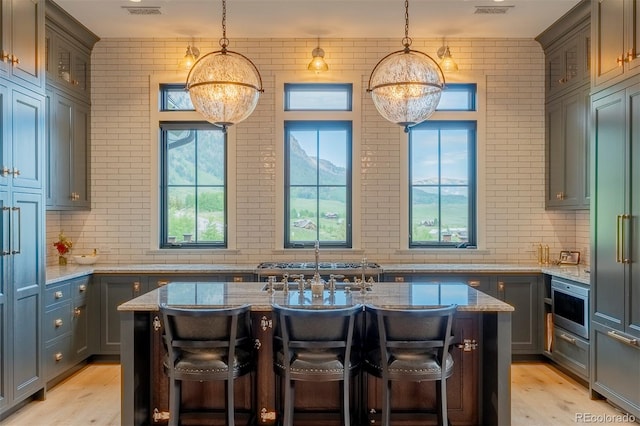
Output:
(447, 63)
(190, 58)
(318, 63)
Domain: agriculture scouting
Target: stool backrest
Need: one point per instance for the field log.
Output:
(197, 330)
(410, 329)
(313, 328)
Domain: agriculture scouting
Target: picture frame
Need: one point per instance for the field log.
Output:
(569, 257)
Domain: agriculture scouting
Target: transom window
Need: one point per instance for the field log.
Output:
(317, 97)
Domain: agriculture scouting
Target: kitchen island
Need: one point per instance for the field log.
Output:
(479, 392)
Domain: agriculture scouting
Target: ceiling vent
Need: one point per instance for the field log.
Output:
(144, 10)
(492, 10)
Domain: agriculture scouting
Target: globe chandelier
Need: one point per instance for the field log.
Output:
(406, 85)
(224, 86)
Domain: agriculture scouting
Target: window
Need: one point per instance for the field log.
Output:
(442, 184)
(193, 181)
(318, 97)
(318, 183)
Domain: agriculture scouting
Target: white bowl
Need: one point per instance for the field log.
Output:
(86, 259)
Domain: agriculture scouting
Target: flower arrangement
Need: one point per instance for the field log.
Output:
(63, 245)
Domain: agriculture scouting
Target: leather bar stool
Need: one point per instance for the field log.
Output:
(410, 345)
(207, 345)
(315, 345)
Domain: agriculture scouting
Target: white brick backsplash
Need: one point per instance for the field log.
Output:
(513, 219)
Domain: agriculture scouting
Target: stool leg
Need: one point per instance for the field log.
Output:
(441, 400)
(289, 402)
(346, 412)
(386, 402)
(228, 384)
(175, 395)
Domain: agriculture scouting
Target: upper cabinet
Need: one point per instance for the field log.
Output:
(68, 62)
(567, 62)
(21, 41)
(616, 40)
(566, 45)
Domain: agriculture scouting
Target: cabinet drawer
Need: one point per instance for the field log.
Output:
(58, 357)
(616, 368)
(57, 293)
(57, 321)
(571, 352)
(79, 289)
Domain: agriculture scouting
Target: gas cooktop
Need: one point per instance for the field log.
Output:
(312, 265)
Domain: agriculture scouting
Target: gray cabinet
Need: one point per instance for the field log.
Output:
(68, 53)
(616, 41)
(66, 325)
(114, 291)
(68, 122)
(615, 271)
(566, 46)
(21, 42)
(567, 151)
(523, 293)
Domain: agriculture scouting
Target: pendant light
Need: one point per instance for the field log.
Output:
(224, 86)
(318, 63)
(406, 85)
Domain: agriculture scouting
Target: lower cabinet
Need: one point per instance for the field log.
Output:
(571, 352)
(523, 293)
(114, 291)
(66, 325)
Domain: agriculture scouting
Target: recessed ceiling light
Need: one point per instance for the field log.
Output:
(138, 1)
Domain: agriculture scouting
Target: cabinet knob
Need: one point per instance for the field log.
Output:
(474, 283)
(399, 279)
(5, 55)
(82, 288)
(15, 60)
(136, 286)
(630, 56)
(58, 323)
(5, 171)
(77, 312)
(500, 286)
(162, 283)
(237, 279)
(58, 295)
(15, 172)
(560, 196)
(59, 356)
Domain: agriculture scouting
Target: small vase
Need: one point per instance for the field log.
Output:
(62, 261)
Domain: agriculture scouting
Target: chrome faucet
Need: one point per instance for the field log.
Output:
(316, 276)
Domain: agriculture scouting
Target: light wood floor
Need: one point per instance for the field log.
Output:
(541, 395)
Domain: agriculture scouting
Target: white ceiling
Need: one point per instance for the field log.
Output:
(317, 18)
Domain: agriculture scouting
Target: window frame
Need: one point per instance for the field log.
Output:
(346, 125)
(164, 185)
(439, 125)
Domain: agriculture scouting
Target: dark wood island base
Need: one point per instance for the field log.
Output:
(478, 392)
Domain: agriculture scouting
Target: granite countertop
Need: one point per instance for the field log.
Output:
(394, 295)
(60, 273)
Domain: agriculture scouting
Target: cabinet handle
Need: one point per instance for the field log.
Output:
(77, 312)
(5, 171)
(626, 340)
(500, 286)
(560, 196)
(136, 287)
(59, 356)
(620, 61)
(82, 288)
(162, 283)
(13, 210)
(58, 323)
(630, 56)
(58, 295)
(399, 279)
(15, 172)
(6, 209)
(5, 55)
(568, 339)
(618, 238)
(237, 279)
(14, 60)
(474, 283)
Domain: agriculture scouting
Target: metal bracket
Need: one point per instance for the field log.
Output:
(265, 323)
(468, 345)
(157, 325)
